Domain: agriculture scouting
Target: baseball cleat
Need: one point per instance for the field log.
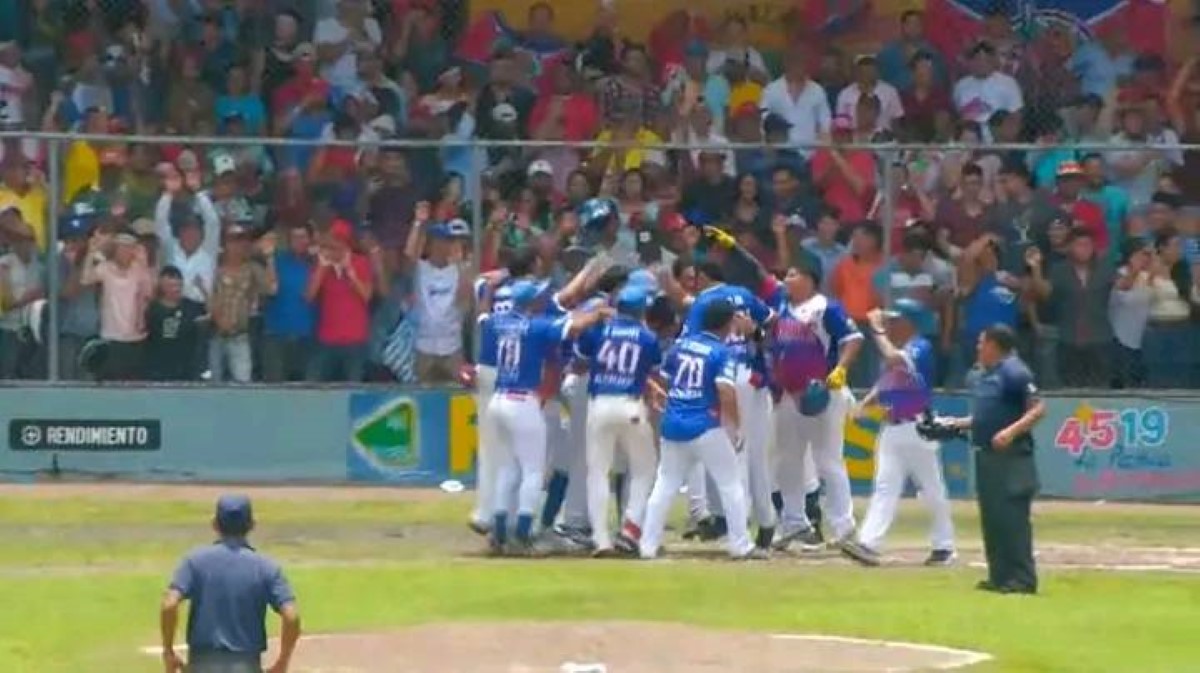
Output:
(755, 554)
(479, 528)
(941, 557)
(606, 552)
(625, 544)
(808, 539)
(859, 553)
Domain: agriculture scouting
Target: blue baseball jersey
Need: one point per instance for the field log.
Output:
(524, 345)
(487, 335)
(744, 301)
(906, 388)
(807, 339)
(621, 355)
(693, 367)
(569, 352)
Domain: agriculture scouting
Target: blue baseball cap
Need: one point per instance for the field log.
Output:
(644, 280)
(234, 513)
(525, 292)
(632, 300)
(906, 308)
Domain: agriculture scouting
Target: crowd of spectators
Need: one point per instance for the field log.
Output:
(231, 260)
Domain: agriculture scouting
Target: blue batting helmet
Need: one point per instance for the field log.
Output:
(595, 213)
(525, 292)
(643, 279)
(632, 300)
(914, 312)
(815, 398)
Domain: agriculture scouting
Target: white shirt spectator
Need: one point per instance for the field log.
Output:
(344, 72)
(439, 319)
(197, 270)
(890, 107)
(978, 97)
(14, 87)
(1170, 138)
(808, 112)
(691, 138)
(1129, 310)
(21, 278)
(748, 55)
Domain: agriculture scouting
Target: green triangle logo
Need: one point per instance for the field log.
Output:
(389, 435)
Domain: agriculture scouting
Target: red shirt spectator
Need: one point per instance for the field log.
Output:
(341, 289)
(846, 178)
(1084, 213)
(576, 116)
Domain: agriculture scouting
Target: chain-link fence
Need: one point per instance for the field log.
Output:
(237, 149)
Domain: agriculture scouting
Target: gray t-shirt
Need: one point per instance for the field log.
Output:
(80, 316)
(1021, 225)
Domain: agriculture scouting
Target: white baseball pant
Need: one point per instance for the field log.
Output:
(617, 421)
(902, 453)
(714, 451)
(520, 451)
(754, 408)
(824, 437)
(485, 463)
(575, 507)
(697, 494)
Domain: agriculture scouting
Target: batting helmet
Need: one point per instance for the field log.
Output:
(594, 214)
(815, 398)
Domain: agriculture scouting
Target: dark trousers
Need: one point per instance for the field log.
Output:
(223, 662)
(285, 358)
(1005, 483)
(123, 361)
(1084, 365)
(1129, 369)
(1167, 348)
(338, 363)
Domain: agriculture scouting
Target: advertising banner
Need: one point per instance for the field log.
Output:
(414, 438)
(861, 444)
(1119, 448)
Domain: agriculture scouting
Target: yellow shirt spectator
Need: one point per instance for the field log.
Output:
(81, 169)
(33, 206)
(744, 92)
(641, 152)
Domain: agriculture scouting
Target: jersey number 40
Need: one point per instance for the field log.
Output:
(619, 357)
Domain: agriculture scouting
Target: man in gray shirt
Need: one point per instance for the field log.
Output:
(229, 586)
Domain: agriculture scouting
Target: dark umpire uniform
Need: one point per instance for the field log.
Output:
(229, 586)
(1004, 407)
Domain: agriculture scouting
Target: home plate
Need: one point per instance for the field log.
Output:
(611, 647)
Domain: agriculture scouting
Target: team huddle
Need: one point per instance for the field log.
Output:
(623, 383)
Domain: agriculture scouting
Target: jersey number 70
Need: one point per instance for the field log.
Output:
(690, 374)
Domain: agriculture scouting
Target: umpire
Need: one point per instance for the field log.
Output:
(1004, 408)
(229, 586)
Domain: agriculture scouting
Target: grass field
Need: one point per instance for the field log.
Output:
(82, 569)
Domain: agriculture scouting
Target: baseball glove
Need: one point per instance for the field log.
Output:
(938, 429)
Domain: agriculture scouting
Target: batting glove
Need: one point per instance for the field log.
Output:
(719, 238)
(837, 378)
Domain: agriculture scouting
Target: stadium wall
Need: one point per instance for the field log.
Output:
(1101, 447)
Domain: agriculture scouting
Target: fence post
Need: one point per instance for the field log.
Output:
(477, 226)
(53, 259)
(888, 215)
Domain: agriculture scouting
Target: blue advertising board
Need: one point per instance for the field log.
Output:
(1119, 448)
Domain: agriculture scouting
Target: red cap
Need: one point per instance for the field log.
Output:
(342, 231)
(747, 109)
(672, 222)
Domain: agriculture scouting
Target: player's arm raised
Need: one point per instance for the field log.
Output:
(580, 321)
(891, 355)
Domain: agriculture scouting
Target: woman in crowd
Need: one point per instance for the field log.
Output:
(1168, 347)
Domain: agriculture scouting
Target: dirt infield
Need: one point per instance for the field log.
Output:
(611, 647)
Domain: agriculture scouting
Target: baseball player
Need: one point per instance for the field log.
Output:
(813, 345)
(700, 372)
(621, 354)
(754, 402)
(523, 341)
(905, 392)
(524, 265)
